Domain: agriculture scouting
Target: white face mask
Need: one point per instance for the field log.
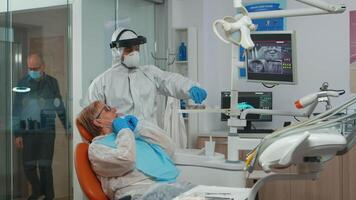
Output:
(132, 59)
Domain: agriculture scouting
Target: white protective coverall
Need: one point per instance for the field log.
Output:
(174, 123)
(115, 167)
(134, 91)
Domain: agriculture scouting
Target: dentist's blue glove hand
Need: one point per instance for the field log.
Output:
(131, 121)
(197, 94)
(118, 124)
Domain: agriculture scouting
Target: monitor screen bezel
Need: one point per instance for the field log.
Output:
(294, 58)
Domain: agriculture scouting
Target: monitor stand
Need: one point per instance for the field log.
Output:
(248, 126)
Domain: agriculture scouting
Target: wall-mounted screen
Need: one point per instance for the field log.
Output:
(273, 59)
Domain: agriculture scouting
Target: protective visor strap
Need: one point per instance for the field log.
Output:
(129, 42)
(132, 42)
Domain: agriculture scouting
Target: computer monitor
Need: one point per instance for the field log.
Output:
(273, 59)
(259, 100)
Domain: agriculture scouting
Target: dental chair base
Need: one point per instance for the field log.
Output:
(199, 169)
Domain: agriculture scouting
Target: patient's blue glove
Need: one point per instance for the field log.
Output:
(197, 94)
(131, 121)
(118, 124)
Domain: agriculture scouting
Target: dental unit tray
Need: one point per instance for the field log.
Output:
(330, 121)
(308, 145)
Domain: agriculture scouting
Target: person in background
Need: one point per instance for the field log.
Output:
(133, 86)
(34, 114)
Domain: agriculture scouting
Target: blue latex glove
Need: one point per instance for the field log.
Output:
(197, 94)
(118, 124)
(131, 121)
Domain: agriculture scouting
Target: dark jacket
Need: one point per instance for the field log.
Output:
(36, 110)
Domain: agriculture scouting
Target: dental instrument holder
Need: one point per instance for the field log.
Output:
(235, 122)
(325, 87)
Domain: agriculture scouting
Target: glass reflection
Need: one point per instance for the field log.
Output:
(34, 114)
(41, 136)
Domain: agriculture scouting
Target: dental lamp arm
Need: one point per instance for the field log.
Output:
(293, 13)
(314, 3)
(309, 101)
(238, 5)
(323, 5)
(242, 23)
(320, 7)
(274, 112)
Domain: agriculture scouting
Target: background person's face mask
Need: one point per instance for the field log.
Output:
(34, 74)
(132, 59)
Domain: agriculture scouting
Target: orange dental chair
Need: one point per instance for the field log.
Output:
(83, 132)
(87, 179)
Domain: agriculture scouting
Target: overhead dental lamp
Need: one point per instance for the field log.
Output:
(240, 23)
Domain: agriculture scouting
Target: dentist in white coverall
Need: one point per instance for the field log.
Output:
(132, 87)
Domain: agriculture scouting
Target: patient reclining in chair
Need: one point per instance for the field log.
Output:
(130, 157)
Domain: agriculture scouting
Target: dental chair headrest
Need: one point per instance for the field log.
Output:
(83, 132)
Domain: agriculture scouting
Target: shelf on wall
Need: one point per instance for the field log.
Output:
(182, 62)
(187, 68)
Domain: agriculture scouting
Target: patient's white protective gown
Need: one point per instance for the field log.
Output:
(134, 91)
(115, 167)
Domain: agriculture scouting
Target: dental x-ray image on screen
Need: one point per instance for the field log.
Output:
(271, 60)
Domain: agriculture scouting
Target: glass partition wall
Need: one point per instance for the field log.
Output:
(138, 15)
(5, 110)
(35, 129)
(36, 84)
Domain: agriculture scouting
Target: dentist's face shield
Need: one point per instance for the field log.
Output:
(134, 56)
(128, 48)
